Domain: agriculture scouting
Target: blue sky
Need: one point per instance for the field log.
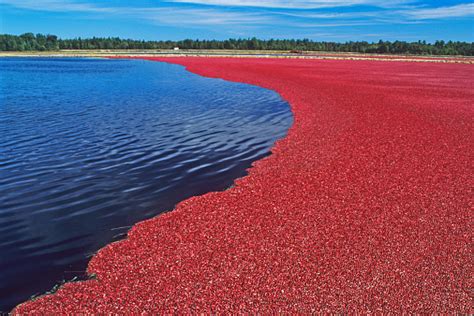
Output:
(326, 20)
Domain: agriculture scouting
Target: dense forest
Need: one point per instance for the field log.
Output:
(40, 42)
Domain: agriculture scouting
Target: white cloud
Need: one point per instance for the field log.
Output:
(460, 10)
(297, 4)
(317, 15)
(55, 6)
(188, 16)
(221, 16)
(164, 15)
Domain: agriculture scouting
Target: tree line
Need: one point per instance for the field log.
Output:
(41, 42)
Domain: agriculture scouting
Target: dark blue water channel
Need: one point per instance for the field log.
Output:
(88, 147)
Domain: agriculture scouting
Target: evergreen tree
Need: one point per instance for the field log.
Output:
(40, 42)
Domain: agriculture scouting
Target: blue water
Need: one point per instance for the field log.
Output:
(88, 147)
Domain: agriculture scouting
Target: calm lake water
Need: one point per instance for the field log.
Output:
(89, 147)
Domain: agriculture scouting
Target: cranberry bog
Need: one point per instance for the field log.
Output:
(366, 205)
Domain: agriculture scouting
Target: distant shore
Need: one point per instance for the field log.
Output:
(242, 54)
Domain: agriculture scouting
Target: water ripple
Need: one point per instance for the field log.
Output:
(90, 147)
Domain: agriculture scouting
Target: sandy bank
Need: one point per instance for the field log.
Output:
(242, 54)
